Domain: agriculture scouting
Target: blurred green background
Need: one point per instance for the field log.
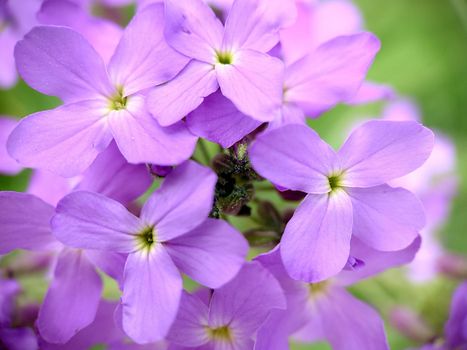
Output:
(423, 56)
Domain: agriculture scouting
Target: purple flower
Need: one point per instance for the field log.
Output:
(456, 326)
(347, 191)
(325, 310)
(228, 317)
(171, 234)
(101, 102)
(232, 57)
(7, 164)
(330, 74)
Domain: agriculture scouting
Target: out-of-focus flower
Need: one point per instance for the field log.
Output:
(231, 315)
(347, 191)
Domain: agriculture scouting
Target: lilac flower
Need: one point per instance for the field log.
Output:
(347, 191)
(331, 74)
(7, 164)
(101, 103)
(325, 310)
(172, 233)
(232, 57)
(229, 317)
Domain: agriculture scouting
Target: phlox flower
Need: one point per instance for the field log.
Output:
(102, 102)
(231, 57)
(227, 317)
(326, 311)
(171, 234)
(347, 191)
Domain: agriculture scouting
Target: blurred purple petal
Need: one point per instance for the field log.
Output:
(456, 326)
(18, 339)
(7, 164)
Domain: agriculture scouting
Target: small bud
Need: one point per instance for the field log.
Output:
(411, 325)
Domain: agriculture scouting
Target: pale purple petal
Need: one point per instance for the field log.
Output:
(189, 328)
(455, 328)
(65, 140)
(253, 82)
(375, 261)
(295, 158)
(143, 59)
(151, 295)
(72, 299)
(255, 24)
(211, 254)
(141, 139)
(92, 221)
(371, 92)
(386, 218)
(316, 241)
(64, 65)
(218, 120)
(245, 302)
(379, 151)
(24, 223)
(331, 74)
(335, 312)
(7, 164)
(102, 34)
(171, 102)
(290, 114)
(183, 201)
(193, 29)
(112, 176)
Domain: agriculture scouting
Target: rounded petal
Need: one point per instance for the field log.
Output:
(211, 254)
(65, 140)
(141, 139)
(183, 201)
(68, 309)
(64, 65)
(171, 102)
(379, 151)
(92, 221)
(295, 158)
(316, 241)
(386, 218)
(152, 289)
(143, 59)
(25, 223)
(253, 82)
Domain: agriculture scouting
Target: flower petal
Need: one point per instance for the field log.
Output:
(316, 241)
(7, 164)
(109, 262)
(331, 74)
(142, 140)
(65, 140)
(24, 223)
(253, 82)
(143, 59)
(66, 308)
(183, 201)
(211, 254)
(189, 328)
(379, 151)
(245, 302)
(335, 312)
(64, 65)
(218, 120)
(151, 295)
(8, 75)
(386, 218)
(171, 102)
(193, 29)
(255, 24)
(295, 158)
(92, 221)
(455, 326)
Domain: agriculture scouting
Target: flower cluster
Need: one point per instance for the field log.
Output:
(118, 191)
